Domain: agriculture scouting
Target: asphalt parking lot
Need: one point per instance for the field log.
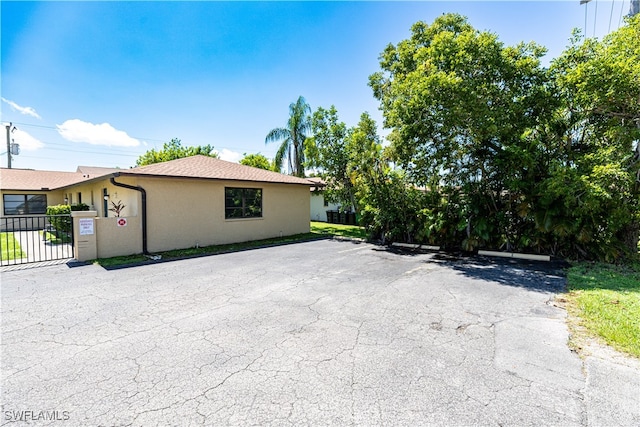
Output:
(316, 333)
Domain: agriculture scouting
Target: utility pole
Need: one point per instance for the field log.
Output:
(9, 145)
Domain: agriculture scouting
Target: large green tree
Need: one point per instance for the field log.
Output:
(594, 187)
(293, 137)
(174, 150)
(358, 174)
(329, 152)
(460, 104)
(257, 161)
(456, 98)
(388, 203)
(513, 155)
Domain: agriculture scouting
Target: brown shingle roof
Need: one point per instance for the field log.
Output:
(29, 179)
(200, 167)
(205, 167)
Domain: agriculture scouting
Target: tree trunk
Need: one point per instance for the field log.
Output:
(630, 236)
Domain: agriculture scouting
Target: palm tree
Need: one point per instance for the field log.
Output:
(293, 137)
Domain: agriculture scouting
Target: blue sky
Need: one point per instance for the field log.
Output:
(99, 83)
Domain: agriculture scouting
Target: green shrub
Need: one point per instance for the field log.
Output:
(59, 217)
(80, 207)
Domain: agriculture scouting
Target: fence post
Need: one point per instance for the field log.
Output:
(84, 235)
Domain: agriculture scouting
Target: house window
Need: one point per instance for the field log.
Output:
(326, 202)
(24, 204)
(242, 203)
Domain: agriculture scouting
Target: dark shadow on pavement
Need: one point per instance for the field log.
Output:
(534, 275)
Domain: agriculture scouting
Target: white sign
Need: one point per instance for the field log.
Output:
(86, 226)
(122, 222)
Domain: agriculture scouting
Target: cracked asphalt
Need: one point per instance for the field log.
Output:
(316, 333)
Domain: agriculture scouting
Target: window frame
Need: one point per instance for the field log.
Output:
(26, 202)
(247, 209)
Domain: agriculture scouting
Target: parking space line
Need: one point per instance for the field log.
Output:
(354, 249)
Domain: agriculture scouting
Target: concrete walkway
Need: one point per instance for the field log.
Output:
(37, 249)
(318, 333)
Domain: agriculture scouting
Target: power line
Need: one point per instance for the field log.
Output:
(111, 149)
(586, 8)
(634, 8)
(35, 126)
(118, 152)
(95, 152)
(217, 147)
(595, 19)
(613, 2)
(56, 129)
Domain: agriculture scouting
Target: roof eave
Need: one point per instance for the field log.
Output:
(86, 181)
(144, 175)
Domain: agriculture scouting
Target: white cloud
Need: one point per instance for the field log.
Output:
(28, 111)
(229, 156)
(26, 141)
(103, 134)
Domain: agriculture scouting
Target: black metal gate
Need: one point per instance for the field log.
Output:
(35, 238)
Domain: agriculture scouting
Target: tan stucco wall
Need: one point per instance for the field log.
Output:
(185, 213)
(84, 236)
(92, 195)
(114, 240)
(103, 237)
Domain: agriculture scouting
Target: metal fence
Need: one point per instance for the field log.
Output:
(35, 238)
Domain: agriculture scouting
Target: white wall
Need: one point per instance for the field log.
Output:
(318, 209)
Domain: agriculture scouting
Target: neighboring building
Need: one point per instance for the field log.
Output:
(319, 205)
(29, 192)
(194, 201)
(93, 171)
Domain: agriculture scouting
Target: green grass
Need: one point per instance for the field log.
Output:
(204, 250)
(604, 301)
(10, 248)
(55, 240)
(121, 260)
(338, 230)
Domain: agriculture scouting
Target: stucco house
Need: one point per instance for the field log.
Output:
(189, 202)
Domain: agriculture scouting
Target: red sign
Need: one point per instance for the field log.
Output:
(122, 222)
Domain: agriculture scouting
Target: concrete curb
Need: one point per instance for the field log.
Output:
(516, 255)
(415, 246)
(348, 239)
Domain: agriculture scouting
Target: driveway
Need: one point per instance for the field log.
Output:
(317, 333)
(38, 250)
